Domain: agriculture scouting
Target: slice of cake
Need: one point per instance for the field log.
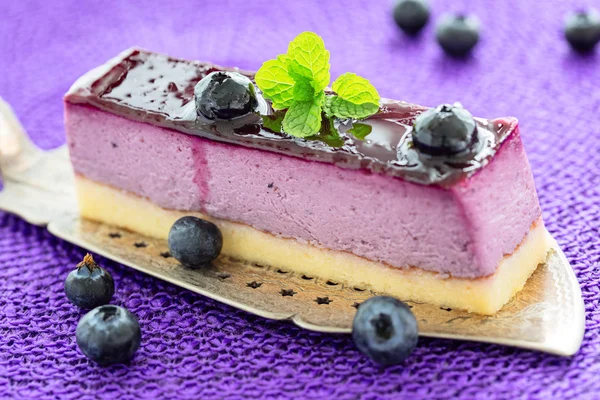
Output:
(440, 210)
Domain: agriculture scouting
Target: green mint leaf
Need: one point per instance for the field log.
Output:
(303, 118)
(308, 58)
(303, 90)
(356, 98)
(331, 140)
(360, 131)
(355, 89)
(275, 82)
(336, 106)
(274, 121)
(328, 134)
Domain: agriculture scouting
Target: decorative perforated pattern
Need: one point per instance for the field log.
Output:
(196, 348)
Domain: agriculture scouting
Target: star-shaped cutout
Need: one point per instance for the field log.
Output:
(254, 284)
(287, 292)
(323, 300)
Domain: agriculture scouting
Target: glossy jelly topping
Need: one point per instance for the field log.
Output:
(159, 90)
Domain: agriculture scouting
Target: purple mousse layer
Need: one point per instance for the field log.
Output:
(157, 89)
(462, 230)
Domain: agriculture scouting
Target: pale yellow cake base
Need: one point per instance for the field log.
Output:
(483, 295)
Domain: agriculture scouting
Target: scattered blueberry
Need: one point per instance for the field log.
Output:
(411, 15)
(458, 34)
(582, 30)
(444, 130)
(385, 330)
(90, 285)
(195, 242)
(108, 335)
(225, 95)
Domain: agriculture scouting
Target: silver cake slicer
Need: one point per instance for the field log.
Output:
(547, 315)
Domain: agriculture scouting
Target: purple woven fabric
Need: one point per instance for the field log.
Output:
(197, 348)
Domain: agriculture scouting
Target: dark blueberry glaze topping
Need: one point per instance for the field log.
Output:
(159, 90)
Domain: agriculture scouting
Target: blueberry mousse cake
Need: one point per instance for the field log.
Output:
(327, 180)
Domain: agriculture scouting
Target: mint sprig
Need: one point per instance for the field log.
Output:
(308, 58)
(272, 78)
(296, 81)
(303, 118)
(356, 98)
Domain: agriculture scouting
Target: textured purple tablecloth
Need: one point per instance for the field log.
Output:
(194, 347)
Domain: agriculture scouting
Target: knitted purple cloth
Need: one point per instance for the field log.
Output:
(194, 347)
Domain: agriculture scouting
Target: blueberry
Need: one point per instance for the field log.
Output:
(90, 285)
(385, 330)
(108, 335)
(458, 34)
(411, 15)
(194, 241)
(225, 95)
(582, 30)
(444, 130)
